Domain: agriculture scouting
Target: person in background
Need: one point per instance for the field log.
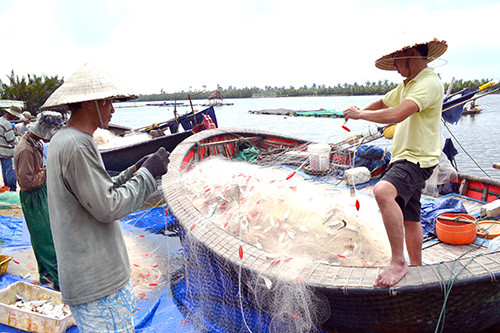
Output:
(415, 106)
(22, 127)
(32, 179)
(7, 145)
(85, 204)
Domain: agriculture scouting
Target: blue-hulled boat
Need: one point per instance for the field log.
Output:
(120, 158)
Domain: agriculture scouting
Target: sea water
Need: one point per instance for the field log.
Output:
(474, 136)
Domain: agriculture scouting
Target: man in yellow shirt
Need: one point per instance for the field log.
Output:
(415, 106)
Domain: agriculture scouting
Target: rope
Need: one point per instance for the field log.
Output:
(465, 151)
(448, 286)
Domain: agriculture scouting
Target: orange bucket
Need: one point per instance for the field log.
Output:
(456, 229)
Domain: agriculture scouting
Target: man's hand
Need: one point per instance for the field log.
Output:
(157, 164)
(352, 112)
(139, 163)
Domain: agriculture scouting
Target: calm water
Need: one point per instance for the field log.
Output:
(475, 135)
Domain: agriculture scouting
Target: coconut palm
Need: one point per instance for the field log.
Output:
(33, 89)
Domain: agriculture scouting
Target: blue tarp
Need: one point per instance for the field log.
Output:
(433, 208)
(372, 157)
(154, 315)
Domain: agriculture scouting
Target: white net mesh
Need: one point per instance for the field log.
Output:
(272, 200)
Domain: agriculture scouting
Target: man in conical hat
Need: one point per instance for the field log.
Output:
(85, 204)
(32, 179)
(415, 106)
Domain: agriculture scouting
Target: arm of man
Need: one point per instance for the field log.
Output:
(385, 115)
(96, 191)
(123, 177)
(10, 137)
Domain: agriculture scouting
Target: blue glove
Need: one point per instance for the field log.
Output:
(157, 164)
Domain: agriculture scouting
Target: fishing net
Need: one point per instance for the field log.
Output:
(105, 139)
(274, 197)
(292, 218)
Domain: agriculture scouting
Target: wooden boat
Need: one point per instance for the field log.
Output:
(471, 110)
(119, 158)
(465, 288)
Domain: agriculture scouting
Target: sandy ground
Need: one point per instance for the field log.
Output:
(14, 212)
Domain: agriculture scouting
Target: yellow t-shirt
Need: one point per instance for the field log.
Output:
(417, 138)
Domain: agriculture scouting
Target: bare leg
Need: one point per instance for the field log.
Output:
(414, 238)
(385, 194)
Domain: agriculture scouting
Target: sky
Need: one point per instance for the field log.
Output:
(150, 45)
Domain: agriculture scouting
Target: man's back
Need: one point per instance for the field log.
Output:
(84, 206)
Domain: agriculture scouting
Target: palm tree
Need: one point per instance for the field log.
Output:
(33, 90)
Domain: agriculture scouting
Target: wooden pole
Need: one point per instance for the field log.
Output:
(450, 87)
(191, 103)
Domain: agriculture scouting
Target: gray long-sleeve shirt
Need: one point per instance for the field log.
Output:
(84, 205)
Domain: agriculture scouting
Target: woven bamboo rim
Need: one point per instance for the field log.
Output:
(345, 279)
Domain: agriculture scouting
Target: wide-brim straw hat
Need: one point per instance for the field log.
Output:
(88, 84)
(47, 124)
(436, 49)
(15, 111)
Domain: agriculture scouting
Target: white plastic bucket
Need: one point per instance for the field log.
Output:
(320, 156)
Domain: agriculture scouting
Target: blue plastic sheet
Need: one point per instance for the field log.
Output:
(433, 208)
(371, 157)
(13, 232)
(154, 315)
(151, 219)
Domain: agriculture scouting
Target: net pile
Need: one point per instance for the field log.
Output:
(289, 218)
(105, 139)
(297, 222)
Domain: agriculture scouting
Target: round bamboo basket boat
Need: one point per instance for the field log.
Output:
(466, 289)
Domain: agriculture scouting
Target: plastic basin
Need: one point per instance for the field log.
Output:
(456, 233)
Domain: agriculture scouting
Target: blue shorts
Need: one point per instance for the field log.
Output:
(112, 313)
(409, 179)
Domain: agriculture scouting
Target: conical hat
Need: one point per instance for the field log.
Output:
(436, 49)
(87, 84)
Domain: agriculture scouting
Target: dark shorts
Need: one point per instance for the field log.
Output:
(409, 179)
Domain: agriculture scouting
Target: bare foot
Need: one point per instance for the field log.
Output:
(391, 275)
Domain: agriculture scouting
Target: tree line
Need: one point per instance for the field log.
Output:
(34, 90)
(355, 89)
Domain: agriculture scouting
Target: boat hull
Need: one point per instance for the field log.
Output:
(118, 159)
